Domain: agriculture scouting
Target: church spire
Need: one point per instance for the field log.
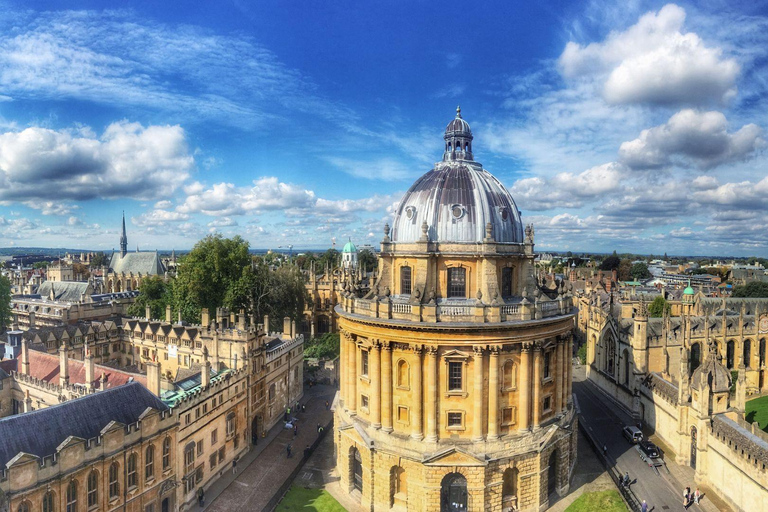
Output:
(123, 240)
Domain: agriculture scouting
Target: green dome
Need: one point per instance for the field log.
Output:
(349, 247)
(688, 290)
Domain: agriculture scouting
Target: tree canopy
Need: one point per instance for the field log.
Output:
(640, 271)
(99, 260)
(367, 260)
(754, 289)
(155, 293)
(5, 303)
(612, 262)
(658, 306)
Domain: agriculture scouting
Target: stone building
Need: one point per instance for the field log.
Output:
(128, 269)
(674, 374)
(107, 451)
(455, 377)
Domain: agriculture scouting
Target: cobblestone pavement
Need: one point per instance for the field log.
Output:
(262, 473)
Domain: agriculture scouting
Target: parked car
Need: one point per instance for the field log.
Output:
(632, 434)
(650, 450)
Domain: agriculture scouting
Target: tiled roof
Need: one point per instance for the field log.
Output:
(41, 432)
(45, 367)
(145, 263)
(69, 291)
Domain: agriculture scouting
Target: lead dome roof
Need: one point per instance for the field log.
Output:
(457, 199)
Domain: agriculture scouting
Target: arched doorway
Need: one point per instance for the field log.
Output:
(356, 463)
(453, 493)
(255, 430)
(166, 506)
(695, 356)
(509, 489)
(552, 473)
(693, 447)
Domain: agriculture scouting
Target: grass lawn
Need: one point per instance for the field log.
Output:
(604, 501)
(308, 500)
(757, 410)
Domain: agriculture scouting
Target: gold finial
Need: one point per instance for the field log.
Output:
(458, 111)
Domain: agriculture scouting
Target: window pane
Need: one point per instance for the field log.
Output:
(405, 280)
(457, 282)
(454, 376)
(506, 282)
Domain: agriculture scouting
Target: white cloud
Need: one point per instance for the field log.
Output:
(701, 137)
(223, 222)
(225, 199)
(52, 207)
(158, 217)
(385, 169)
(653, 62)
(128, 160)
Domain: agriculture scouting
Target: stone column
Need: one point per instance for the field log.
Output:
(569, 365)
(559, 377)
(416, 431)
(493, 394)
(352, 376)
(432, 394)
(343, 367)
(386, 387)
(477, 410)
(536, 385)
(376, 384)
(525, 386)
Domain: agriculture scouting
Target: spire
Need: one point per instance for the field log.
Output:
(123, 240)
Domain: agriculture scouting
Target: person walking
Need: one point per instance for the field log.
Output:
(644, 507)
(295, 430)
(686, 494)
(201, 497)
(303, 407)
(605, 450)
(288, 451)
(327, 405)
(626, 479)
(696, 496)
(234, 466)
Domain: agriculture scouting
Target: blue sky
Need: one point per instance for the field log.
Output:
(635, 126)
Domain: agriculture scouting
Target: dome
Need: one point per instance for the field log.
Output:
(688, 289)
(349, 247)
(457, 199)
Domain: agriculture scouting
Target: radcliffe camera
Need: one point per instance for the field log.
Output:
(372, 257)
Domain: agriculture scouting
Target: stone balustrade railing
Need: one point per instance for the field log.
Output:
(466, 311)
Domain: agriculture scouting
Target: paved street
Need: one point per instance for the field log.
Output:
(260, 478)
(663, 491)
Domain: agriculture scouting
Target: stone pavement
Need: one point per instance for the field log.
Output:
(256, 483)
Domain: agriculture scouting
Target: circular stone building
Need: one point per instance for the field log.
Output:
(455, 368)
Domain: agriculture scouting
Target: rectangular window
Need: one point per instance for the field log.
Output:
(205, 408)
(189, 484)
(197, 413)
(457, 282)
(214, 436)
(189, 457)
(363, 401)
(213, 460)
(364, 363)
(189, 418)
(199, 448)
(454, 419)
(222, 453)
(405, 280)
(506, 282)
(508, 416)
(402, 414)
(199, 474)
(454, 376)
(547, 403)
(547, 357)
(150, 508)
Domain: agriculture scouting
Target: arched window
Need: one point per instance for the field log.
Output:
(506, 282)
(48, 501)
(695, 356)
(271, 392)
(356, 465)
(457, 282)
(509, 488)
(762, 352)
(114, 484)
(453, 493)
(24, 506)
(510, 375)
(167, 453)
(132, 478)
(149, 462)
(72, 496)
(626, 367)
(405, 280)
(552, 473)
(729, 354)
(402, 374)
(747, 353)
(610, 358)
(92, 492)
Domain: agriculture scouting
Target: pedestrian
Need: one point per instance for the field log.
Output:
(685, 497)
(285, 415)
(696, 496)
(201, 496)
(234, 466)
(295, 430)
(327, 405)
(605, 450)
(288, 450)
(318, 428)
(626, 479)
(306, 452)
(303, 407)
(288, 411)
(644, 507)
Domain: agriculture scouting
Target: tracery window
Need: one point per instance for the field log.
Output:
(166, 453)
(114, 484)
(132, 478)
(149, 462)
(72, 496)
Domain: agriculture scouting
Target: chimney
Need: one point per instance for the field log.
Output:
(206, 317)
(153, 377)
(168, 314)
(266, 324)
(287, 327)
(31, 319)
(205, 372)
(89, 367)
(63, 365)
(148, 312)
(293, 329)
(103, 382)
(241, 320)
(179, 317)
(24, 356)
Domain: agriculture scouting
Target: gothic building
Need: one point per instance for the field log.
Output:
(127, 269)
(687, 378)
(455, 367)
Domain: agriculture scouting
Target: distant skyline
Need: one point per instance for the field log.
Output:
(628, 126)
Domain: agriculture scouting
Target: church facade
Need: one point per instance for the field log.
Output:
(455, 367)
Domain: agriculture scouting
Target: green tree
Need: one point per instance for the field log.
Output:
(325, 346)
(330, 258)
(625, 270)
(206, 274)
(99, 260)
(367, 260)
(41, 264)
(640, 271)
(611, 262)
(155, 293)
(754, 289)
(658, 306)
(5, 303)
